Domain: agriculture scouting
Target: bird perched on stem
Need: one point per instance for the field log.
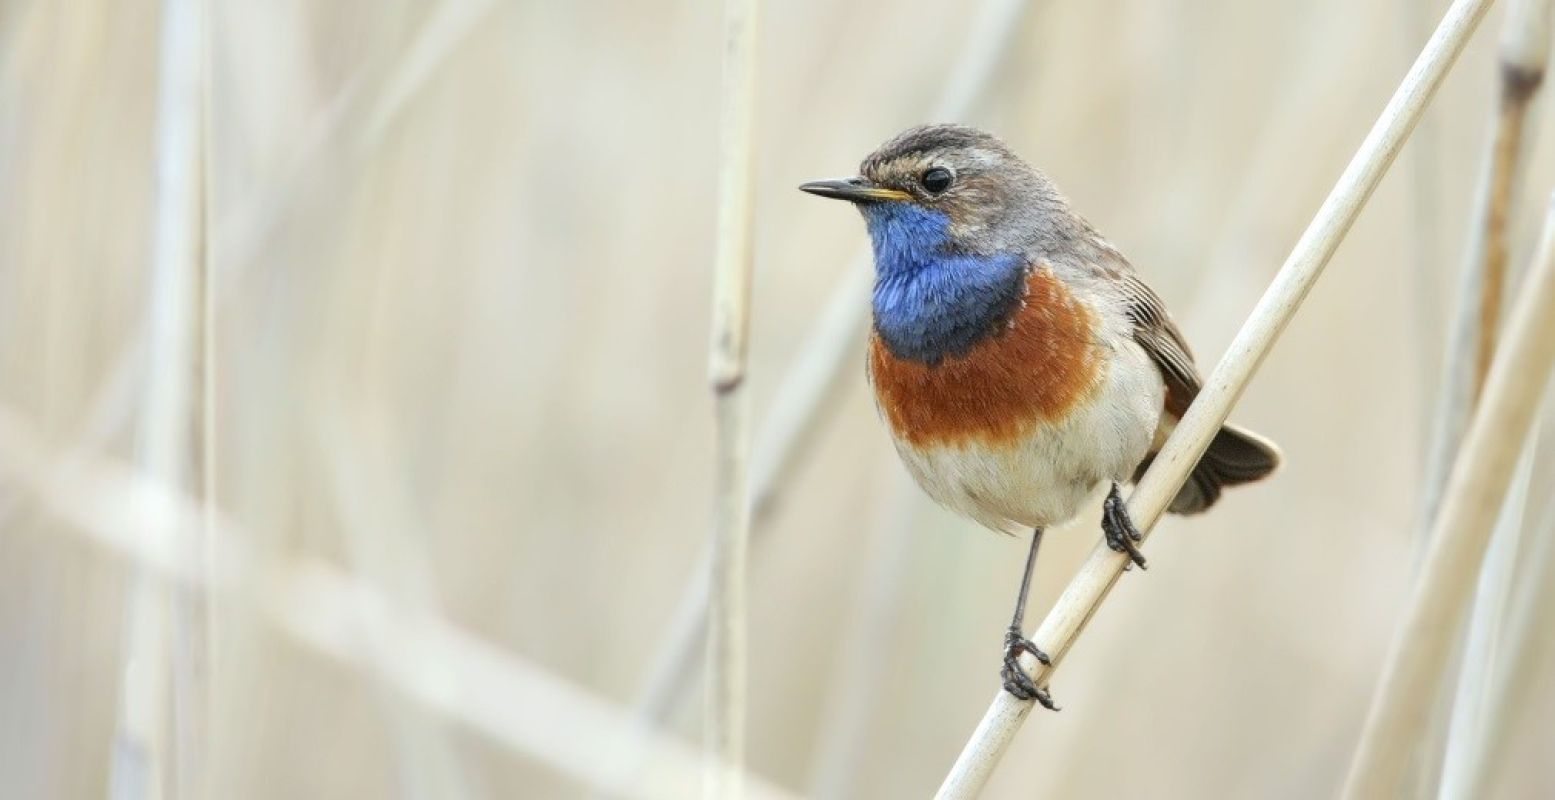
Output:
(1018, 360)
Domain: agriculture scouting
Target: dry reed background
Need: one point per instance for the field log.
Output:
(462, 251)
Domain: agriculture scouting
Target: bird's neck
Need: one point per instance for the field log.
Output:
(933, 301)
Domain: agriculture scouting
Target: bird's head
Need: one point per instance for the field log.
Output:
(945, 189)
(955, 218)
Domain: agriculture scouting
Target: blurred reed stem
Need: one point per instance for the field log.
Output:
(1084, 595)
(516, 704)
(166, 337)
(197, 778)
(1524, 51)
(1459, 538)
(1474, 708)
(1523, 54)
(811, 388)
(334, 144)
(1424, 161)
(726, 643)
(1526, 647)
(164, 659)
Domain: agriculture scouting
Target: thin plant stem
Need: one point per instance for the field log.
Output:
(1524, 51)
(1461, 534)
(1484, 650)
(1085, 593)
(726, 642)
(1482, 285)
(198, 778)
(518, 705)
(163, 632)
(1527, 646)
(238, 238)
(335, 142)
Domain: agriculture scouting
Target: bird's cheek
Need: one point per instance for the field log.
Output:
(965, 229)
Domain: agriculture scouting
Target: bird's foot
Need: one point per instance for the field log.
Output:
(1016, 681)
(1119, 528)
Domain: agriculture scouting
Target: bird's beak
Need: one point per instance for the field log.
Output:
(853, 190)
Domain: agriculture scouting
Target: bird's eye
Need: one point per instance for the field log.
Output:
(937, 180)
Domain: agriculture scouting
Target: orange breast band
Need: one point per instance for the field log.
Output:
(1036, 370)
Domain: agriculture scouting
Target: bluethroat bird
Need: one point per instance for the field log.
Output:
(1017, 358)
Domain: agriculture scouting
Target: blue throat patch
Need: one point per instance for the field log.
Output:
(931, 302)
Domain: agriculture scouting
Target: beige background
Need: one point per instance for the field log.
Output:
(464, 250)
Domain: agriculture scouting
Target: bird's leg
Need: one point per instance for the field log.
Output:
(1016, 681)
(1119, 529)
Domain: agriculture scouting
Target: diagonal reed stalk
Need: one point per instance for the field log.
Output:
(456, 675)
(1417, 659)
(1474, 702)
(821, 371)
(726, 607)
(1524, 50)
(1525, 43)
(162, 692)
(1090, 587)
(1526, 646)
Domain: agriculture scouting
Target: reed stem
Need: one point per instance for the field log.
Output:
(726, 645)
(158, 739)
(1416, 661)
(1524, 51)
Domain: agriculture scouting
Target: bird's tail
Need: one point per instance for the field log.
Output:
(1235, 456)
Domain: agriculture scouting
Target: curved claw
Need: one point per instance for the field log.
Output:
(1019, 684)
(1119, 529)
(1016, 681)
(1015, 644)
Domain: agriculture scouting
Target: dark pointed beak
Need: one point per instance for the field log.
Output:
(853, 190)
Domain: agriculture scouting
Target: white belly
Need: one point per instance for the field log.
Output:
(1045, 476)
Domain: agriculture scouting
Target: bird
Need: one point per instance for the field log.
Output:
(1017, 358)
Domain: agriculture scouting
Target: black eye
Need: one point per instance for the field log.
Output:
(936, 180)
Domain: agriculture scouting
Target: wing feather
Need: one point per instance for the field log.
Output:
(1159, 336)
(1235, 455)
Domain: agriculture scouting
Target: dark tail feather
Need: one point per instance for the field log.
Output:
(1235, 456)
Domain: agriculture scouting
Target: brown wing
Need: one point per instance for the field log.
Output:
(1158, 335)
(1153, 327)
(1235, 455)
